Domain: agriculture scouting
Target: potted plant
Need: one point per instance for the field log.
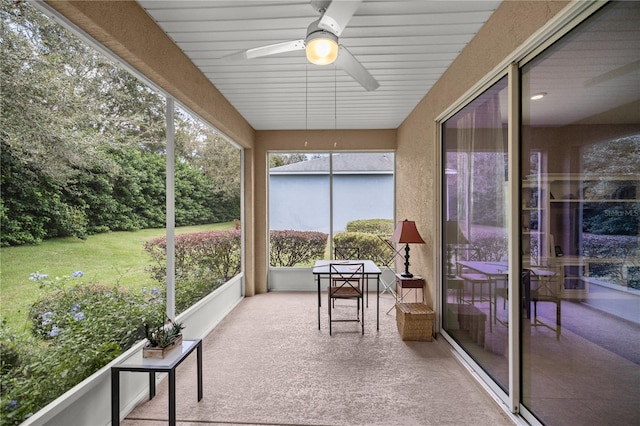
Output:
(161, 338)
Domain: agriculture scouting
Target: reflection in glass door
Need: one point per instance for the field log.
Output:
(475, 239)
(581, 197)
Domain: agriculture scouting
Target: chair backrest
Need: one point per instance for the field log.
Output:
(346, 253)
(468, 253)
(388, 252)
(347, 276)
(548, 284)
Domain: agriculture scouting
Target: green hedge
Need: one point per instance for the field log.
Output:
(366, 234)
(382, 227)
(290, 248)
(370, 245)
(203, 262)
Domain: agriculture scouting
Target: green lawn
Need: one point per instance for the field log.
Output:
(115, 258)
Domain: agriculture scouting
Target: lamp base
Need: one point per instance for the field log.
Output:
(406, 272)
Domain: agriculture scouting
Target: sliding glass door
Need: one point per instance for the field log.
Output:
(475, 239)
(574, 220)
(580, 227)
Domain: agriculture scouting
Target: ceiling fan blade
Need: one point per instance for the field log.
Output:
(338, 14)
(347, 62)
(271, 49)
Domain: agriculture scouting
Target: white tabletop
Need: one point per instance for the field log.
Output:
(322, 266)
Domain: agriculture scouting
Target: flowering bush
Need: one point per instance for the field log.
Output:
(77, 328)
(203, 262)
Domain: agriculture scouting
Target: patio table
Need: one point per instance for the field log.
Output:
(321, 270)
(154, 365)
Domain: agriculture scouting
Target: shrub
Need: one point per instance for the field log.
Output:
(9, 350)
(490, 248)
(290, 248)
(102, 311)
(610, 246)
(371, 226)
(203, 262)
(77, 329)
(369, 245)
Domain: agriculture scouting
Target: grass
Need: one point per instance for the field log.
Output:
(114, 258)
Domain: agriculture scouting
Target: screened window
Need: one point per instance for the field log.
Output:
(320, 200)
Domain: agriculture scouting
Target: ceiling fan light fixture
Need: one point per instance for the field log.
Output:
(321, 48)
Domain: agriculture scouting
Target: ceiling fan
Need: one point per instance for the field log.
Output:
(321, 43)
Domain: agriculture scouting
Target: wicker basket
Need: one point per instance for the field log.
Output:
(415, 321)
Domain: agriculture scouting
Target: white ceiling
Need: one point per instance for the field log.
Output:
(405, 45)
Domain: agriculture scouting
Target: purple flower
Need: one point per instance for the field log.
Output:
(155, 291)
(12, 405)
(47, 317)
(37, 276)
(55, 331)
(78, 316)
(74, 308)
(77, 274)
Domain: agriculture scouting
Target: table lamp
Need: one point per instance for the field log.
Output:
(406, 233)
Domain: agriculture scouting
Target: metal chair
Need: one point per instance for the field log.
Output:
(388, 263)
(346, 283)
(387, 260)
(346, 253)
(548, 290)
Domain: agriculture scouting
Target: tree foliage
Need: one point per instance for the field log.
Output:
(83, 142)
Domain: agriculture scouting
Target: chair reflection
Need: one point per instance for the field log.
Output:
(547, 289)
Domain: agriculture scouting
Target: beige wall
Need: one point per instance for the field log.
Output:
(416, 158)
(125, 28)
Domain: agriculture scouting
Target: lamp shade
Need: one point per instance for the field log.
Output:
(406, 232)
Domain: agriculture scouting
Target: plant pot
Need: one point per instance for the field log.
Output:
(160, 352)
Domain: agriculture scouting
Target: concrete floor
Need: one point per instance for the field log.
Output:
(267, 363)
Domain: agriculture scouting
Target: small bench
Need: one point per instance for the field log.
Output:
(415, 321)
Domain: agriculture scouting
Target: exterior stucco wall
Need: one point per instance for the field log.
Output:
(417, 173)
(302, 202)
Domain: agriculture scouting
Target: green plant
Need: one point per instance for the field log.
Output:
(163, 334)
(208, 255)
(203, 262)
(77, 328)
(371, 226)
(369, 245)
(290, 248)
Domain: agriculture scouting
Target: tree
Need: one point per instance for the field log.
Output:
(277, 160)
(83, 142)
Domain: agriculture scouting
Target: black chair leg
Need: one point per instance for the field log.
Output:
(330, 322)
